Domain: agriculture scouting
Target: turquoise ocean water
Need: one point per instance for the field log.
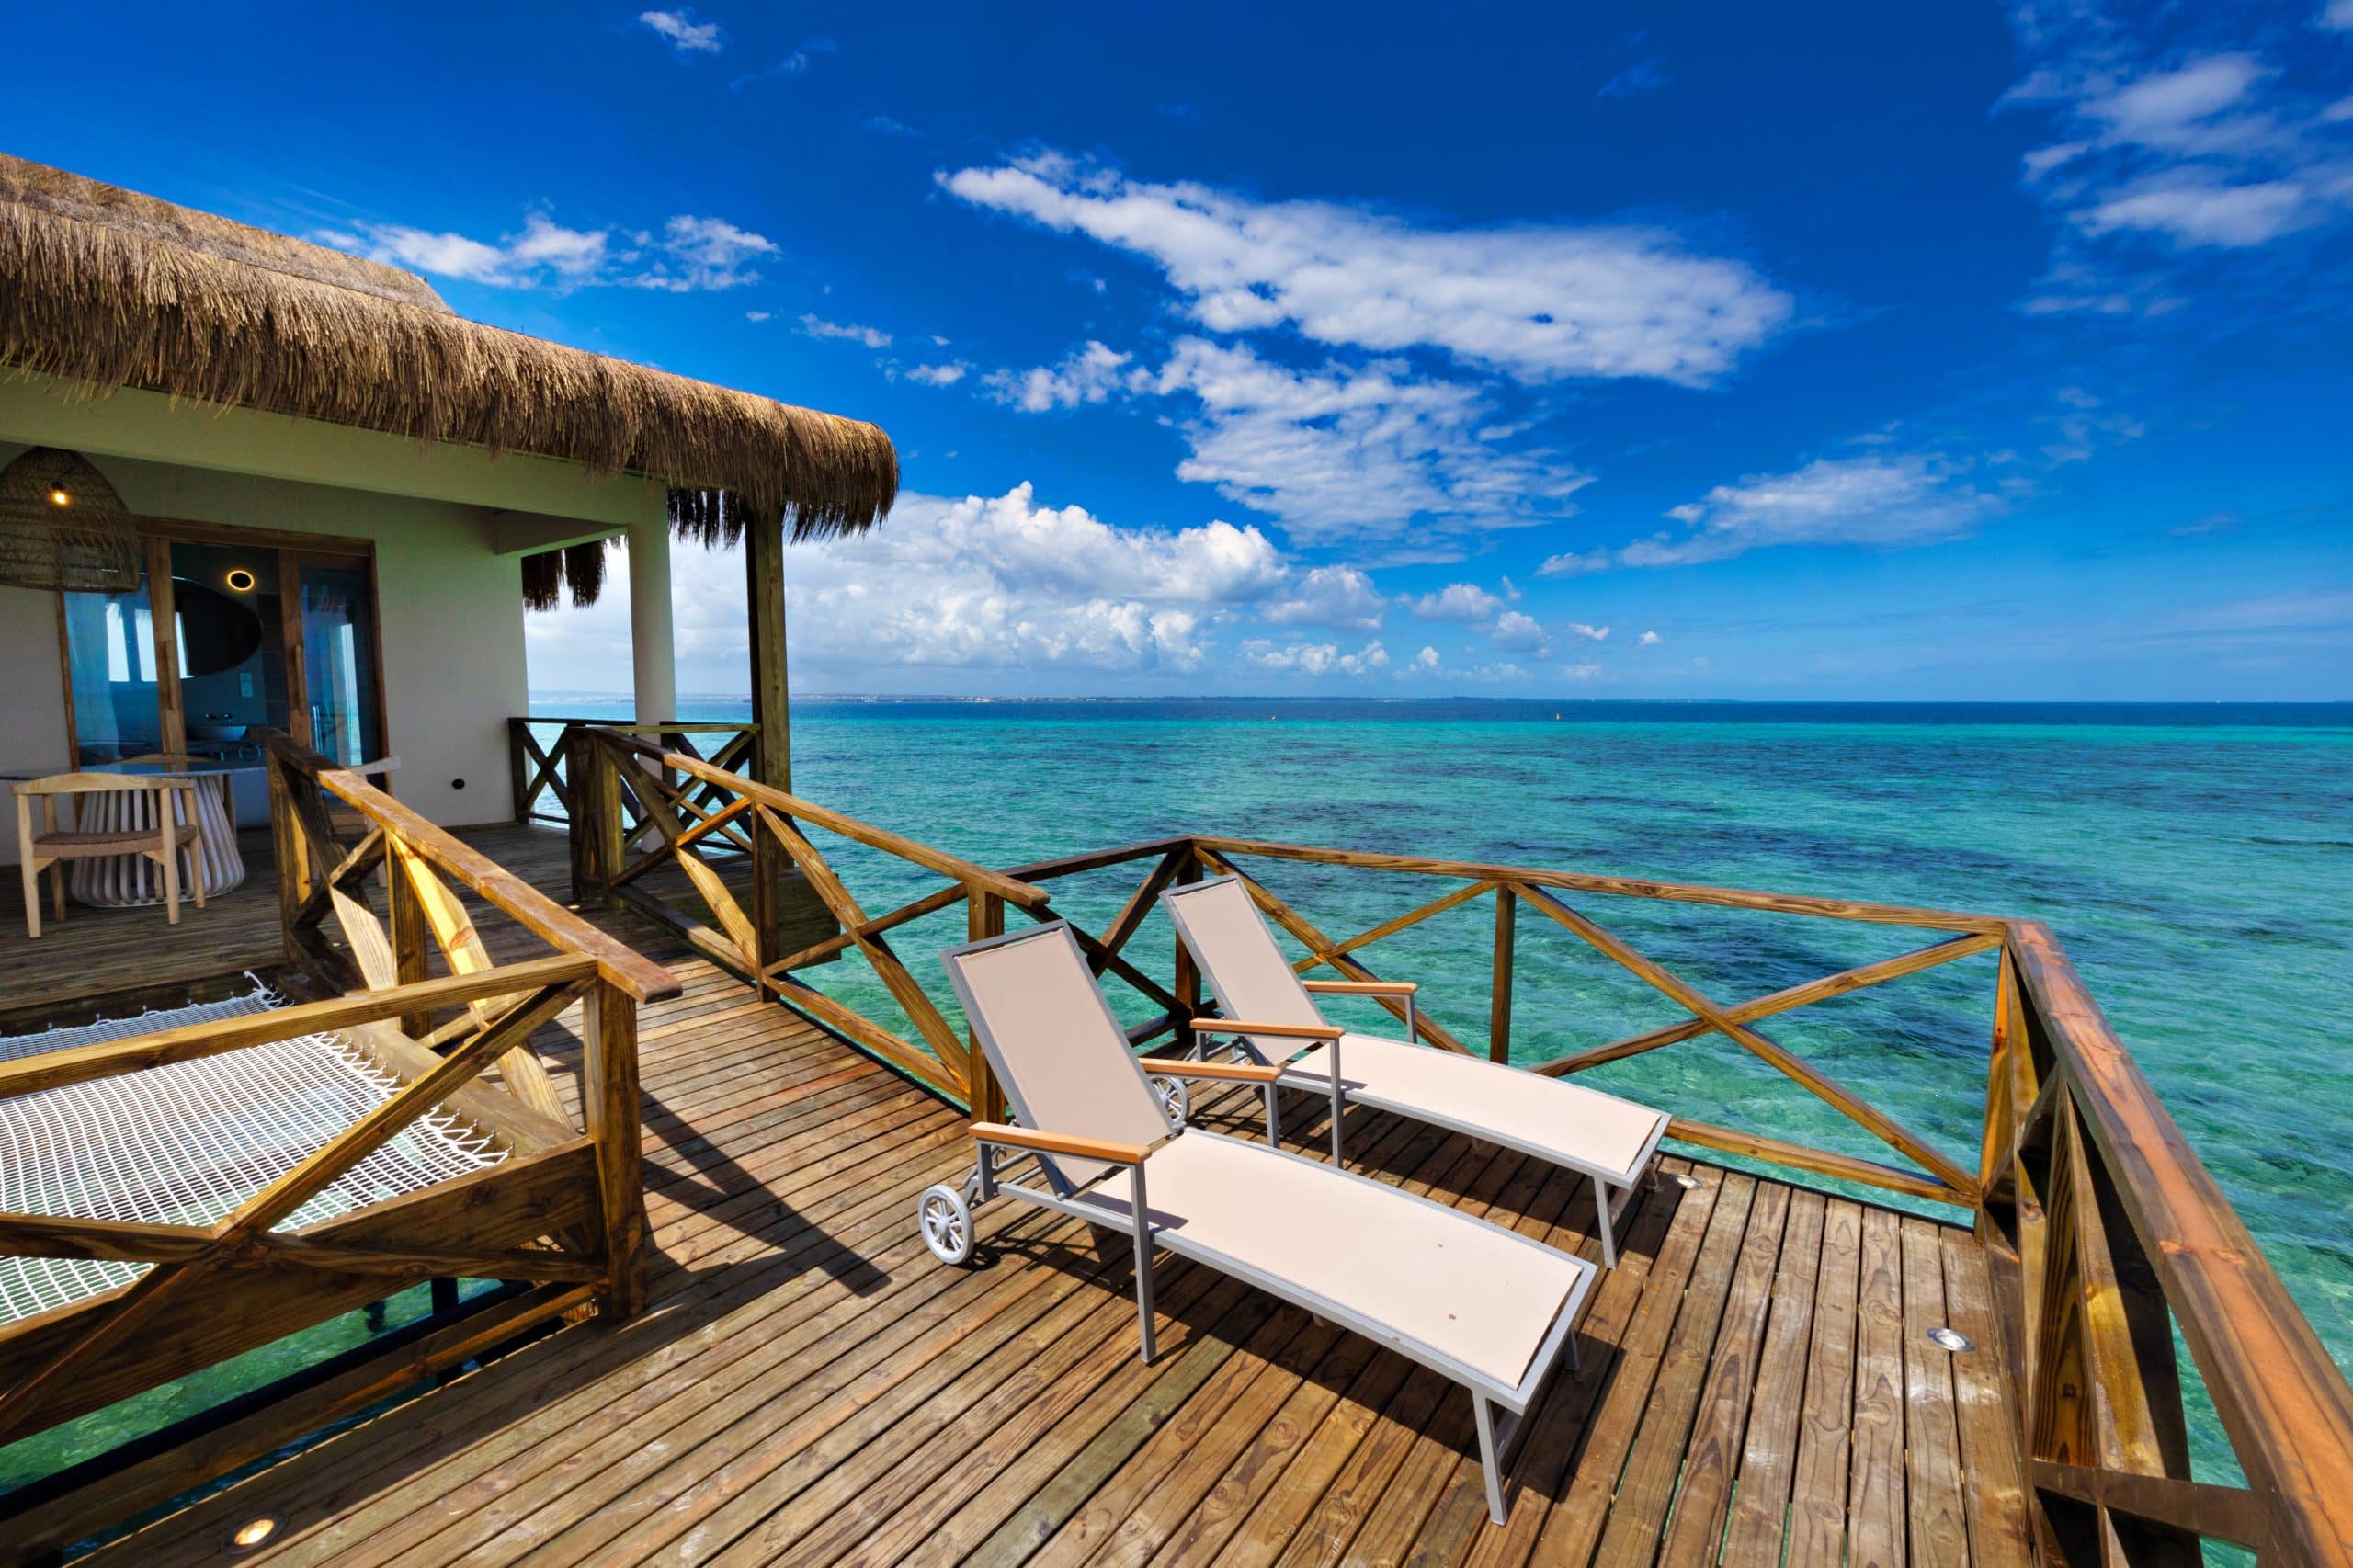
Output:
(2197, 861)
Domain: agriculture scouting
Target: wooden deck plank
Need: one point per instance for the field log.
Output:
(1934, 1503)
(1695, 1531)
(1999, 1535)
(1759, 1519)
(1638, 1509)
(1875, 1508)
(1817, 1536)
(809, 1385)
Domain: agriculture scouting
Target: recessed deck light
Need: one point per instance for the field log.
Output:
(253, 1535)
(1687, 1181)
(1951, 1339)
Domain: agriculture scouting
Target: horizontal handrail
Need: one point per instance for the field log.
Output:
(1625, 887)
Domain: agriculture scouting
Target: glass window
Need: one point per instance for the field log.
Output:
(339, 661)
(110, 651)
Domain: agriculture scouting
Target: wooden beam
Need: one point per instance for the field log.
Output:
(1886, 1127)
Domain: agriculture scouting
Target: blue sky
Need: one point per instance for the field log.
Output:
(1797, 352)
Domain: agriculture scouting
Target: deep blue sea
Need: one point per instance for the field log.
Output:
(2196, 859)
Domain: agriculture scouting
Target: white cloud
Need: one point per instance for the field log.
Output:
(756, 315)
(1365, 453)
(1521, 633)
(1650, 640)
(1590, 633)
(939, 375)
(1339, 596)
(690, 253)
(1537, 301)
(818, 326)
(1572, 563)
(1089, 373)
(703, 252)
(2167, 144)
(1464, 602)
(1002, 582)
(1886, 501)
(2338, 15)
(1313, 658)
(792, 64)
(682, 32)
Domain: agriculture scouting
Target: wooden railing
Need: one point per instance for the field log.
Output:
(541, 774)
(561, 1210)
(2103, 1229)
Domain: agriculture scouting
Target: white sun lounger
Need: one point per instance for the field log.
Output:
(1271, 1012)
(1484, 1306)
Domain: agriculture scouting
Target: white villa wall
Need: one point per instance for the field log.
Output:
(451, 606)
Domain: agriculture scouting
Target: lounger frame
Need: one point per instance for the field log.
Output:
(1613, 1189)
(1499, 1409)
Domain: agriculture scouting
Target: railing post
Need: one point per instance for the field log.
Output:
(1185, 976)
(409, 931)
(1499, 999)
(518, 768)
(984, 918)
(581, 761)
(609, 1099)
(286, 850)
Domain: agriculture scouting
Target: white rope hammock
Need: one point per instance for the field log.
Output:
(186, 1144)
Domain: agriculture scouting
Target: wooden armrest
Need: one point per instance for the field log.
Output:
(1273, 1031)
(1062, 1144)
(1362, 987)
(1182, 1067)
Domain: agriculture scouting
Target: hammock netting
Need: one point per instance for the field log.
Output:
(187, 1143)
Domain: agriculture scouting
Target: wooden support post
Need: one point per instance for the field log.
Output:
(771, 701)
(407, 931)
(1186, 975)
(582, 759)
(1499, 999)
(286, 851)
(609, 1099)
(518, 768)
(985, 917)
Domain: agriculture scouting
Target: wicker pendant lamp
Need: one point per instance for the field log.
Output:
(62, 525)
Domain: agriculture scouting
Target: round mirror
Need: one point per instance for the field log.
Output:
(217, 632)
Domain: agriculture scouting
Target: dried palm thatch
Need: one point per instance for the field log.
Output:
(62, 525)
(115, 289)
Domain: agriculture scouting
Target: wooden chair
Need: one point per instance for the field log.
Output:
(173, 830)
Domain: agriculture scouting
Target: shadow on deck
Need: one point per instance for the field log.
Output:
(811, 1386)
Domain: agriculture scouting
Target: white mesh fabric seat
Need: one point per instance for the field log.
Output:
(1600, 1136)
(1452, 1281)
(187, 1143)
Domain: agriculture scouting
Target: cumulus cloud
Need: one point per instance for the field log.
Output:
(1313, 658)
(1339, 596)
(1336, 453)
(1590, 633)
(939, 375)
(1574, 563)
(2167, 141)
(1649, 640)
(1879, 500)
(1089, 373)
(1464, 602)
(818, 326)
(1538, 303)
(682, 32)
(1521, 633)
(689, 253)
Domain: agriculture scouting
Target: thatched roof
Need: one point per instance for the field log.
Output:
(110, 286)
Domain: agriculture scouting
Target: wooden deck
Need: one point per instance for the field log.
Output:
(810, 1386)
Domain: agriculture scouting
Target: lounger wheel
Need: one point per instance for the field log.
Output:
(1175, 1102)
(946, 1224)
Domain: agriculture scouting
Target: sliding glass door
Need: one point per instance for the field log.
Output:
(339, 661)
